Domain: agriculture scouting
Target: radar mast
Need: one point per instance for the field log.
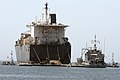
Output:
(95, 43)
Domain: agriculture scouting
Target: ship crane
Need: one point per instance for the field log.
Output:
(83, 51)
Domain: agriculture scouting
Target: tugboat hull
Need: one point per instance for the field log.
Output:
(95, 66)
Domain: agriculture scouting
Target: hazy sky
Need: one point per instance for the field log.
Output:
(85, 18)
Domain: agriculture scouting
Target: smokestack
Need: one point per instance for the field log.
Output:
(53, 18)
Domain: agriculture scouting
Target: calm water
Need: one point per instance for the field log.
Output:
(57, 73)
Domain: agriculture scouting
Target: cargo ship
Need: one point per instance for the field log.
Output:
(93, 57)
(45, 42)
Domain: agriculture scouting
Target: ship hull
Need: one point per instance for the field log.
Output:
(95, 66)
(43, 54)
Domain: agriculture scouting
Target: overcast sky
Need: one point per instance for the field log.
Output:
(84, 17)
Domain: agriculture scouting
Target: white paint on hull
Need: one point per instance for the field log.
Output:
(23, 53)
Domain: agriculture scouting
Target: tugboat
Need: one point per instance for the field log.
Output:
(113, 64)
(45, 43)
(93, 57)
(9, 62)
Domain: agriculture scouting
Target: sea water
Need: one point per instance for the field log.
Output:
(57, 73)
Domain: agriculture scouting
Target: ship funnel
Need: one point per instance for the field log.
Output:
(53, 18)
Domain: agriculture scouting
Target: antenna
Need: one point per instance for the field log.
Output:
(42, 17)
(36, 19)
(86, 45)
(104, 46)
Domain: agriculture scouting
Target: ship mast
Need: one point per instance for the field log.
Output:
(11, 56)
(95, 43)
(46, 12)
(112, 58)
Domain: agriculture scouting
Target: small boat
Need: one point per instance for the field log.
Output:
(113, 64)
(9, 62)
